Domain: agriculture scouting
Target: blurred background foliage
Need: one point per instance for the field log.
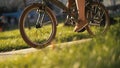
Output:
(10, 5)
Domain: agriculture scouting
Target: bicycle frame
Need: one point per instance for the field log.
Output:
(57, 3)
(42, 9)
(62, 6)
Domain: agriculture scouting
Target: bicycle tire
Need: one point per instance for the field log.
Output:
(22, 21)
(106, 22)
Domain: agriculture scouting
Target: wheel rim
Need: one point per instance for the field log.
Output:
(37, 35)
(97, 19)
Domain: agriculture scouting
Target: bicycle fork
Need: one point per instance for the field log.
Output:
(40, 19)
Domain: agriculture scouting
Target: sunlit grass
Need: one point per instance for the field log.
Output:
(12, 40)
(39, 35)
(100, 52)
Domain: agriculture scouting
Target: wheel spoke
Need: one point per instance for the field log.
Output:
(97, 18)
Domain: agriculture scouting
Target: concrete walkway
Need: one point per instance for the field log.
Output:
(32, 50)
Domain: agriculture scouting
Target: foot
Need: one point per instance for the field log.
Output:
(79, 26)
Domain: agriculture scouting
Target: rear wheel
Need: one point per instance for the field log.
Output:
(38, 25)
(98, 18)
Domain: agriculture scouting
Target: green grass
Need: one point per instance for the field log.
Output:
(11, 40)
(100, 52)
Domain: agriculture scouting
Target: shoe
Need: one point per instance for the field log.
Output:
(80, 25)
(82, 30)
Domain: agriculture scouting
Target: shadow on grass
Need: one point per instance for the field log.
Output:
(10, 37)
(71, 37)
(13, 47)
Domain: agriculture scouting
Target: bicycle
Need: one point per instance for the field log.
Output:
(39, 20)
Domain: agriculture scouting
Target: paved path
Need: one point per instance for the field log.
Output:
(32, 50)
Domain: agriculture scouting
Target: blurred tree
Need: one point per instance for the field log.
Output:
(113, 2)
(10, 5)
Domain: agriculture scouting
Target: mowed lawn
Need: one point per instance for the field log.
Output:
(100, 52)
(12, 40)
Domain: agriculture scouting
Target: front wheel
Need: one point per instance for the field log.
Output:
(98, 18)
(37, 25)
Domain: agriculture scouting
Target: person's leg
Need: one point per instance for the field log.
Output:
(81, 12)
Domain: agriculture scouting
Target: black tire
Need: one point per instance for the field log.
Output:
(35, 34)
(98, 18)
